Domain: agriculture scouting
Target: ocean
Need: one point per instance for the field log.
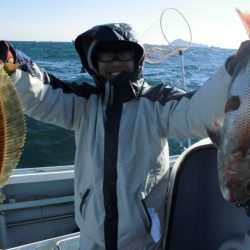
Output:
(49, 145)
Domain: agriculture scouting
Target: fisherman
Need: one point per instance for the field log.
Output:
(121, 127)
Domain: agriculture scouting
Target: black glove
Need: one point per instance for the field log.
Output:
(6, 56)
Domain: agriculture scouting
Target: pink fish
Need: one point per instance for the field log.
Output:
(233, 137)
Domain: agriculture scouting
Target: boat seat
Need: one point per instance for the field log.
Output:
(198, 218)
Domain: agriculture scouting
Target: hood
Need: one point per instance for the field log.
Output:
(114, 32)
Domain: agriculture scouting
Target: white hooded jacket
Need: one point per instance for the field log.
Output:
(121, 131)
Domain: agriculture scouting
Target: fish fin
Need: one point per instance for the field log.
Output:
(245, 18)
(214, 133)
(232, 103)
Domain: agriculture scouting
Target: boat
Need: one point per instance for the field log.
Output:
(39, 205)
(38, 212)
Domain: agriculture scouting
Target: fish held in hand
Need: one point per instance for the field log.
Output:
(233, 137)
(12, 127)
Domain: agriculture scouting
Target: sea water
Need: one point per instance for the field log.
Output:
(49, 145)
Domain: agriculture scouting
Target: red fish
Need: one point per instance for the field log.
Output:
(233, 137)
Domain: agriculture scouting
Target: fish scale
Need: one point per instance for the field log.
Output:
(240, 117)
(12, 125)
(233, 138)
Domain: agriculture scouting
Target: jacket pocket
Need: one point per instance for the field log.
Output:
(145, 216)
(84, 202)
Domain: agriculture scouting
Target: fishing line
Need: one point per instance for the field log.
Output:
(153, 23)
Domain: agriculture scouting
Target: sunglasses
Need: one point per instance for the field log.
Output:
(109, 56)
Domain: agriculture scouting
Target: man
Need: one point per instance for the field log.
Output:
(121, 127)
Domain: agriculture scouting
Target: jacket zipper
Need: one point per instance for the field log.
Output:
(143, 211)
(147, 221)
(84, 197)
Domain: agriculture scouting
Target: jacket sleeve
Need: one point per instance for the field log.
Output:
(46, 98)
(188, 116)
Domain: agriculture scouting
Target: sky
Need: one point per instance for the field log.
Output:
(212, 22)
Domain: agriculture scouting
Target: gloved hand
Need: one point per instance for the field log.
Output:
(7, 58)
(5, 54)
(242, 53)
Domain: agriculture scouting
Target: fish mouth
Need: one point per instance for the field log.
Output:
(238, 169)
(234, 179)
(236, 188)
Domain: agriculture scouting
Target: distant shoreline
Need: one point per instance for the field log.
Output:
(176, 43)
